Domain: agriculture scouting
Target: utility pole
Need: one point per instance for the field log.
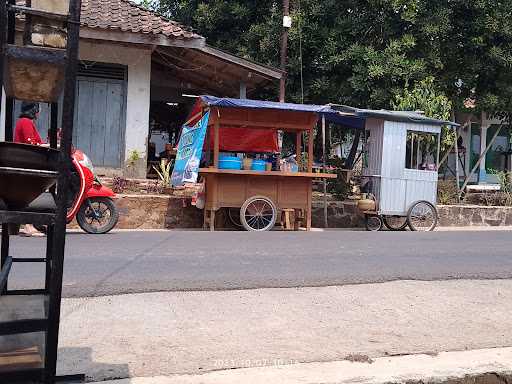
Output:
(287, 23)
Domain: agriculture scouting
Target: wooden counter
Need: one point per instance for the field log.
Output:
(227, 188)
(267, 173)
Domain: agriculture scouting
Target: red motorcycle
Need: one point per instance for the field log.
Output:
(93, 204)
(89, 201)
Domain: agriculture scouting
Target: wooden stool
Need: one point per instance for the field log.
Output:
(286, 221)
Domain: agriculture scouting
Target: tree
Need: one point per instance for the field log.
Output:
(425, 96)
(364, 52)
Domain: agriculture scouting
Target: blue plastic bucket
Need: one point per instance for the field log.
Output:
(230, 162)
(258, 165)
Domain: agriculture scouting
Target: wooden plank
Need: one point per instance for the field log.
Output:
(99, 118)
(84, 116)
(39, 12)
(271, 73)
(26, 358)
(312, 175)
(114, 118)
(216, 144)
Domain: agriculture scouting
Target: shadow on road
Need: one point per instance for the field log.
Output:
(73, 361)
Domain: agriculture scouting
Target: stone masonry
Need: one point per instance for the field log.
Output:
(171, 212)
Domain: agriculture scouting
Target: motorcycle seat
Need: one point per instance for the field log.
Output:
(45, 203)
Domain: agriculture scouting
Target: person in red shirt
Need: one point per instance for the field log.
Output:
(26, 131)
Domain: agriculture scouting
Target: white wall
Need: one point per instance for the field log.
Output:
(138, 61)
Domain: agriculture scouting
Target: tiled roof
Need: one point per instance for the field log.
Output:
(127, 16)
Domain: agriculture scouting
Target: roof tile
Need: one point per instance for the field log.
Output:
(125, 15)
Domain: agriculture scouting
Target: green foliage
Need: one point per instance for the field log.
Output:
(425, 96)
(364, 52)
(447, 192)
(165, 171)
(339, 187)
(133, 157)
(505, 182)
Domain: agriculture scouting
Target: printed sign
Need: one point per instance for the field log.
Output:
(190, 147)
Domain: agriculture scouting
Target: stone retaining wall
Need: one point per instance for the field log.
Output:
(160, 212)
(474, 215)
(157, 212)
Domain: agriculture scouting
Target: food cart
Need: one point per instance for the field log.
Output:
(400, 168)
(249, 126)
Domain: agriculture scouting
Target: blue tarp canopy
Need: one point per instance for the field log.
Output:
(337, 114)
(330, 114)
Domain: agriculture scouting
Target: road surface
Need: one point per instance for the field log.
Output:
(131, 262)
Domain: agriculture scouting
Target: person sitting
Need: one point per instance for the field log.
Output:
(26, 133)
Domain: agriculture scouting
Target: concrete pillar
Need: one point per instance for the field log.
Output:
(482, 173)
(467, 143)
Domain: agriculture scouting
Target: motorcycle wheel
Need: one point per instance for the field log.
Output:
(108, 215)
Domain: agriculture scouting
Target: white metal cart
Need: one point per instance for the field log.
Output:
(400, 168)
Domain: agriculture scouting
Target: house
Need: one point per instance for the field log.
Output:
(136, 72)
(477, 132)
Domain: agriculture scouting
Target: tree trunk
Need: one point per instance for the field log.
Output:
(349, 163)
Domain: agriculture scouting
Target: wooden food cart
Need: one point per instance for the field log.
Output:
(260, 195)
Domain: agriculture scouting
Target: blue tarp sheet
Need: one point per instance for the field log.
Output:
(325, 110)
(337, 114)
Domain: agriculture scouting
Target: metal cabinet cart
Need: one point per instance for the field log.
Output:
(400, 167)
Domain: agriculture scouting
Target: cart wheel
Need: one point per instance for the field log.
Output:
(422, 216)
(373, 223)
(395, 223)
(258, 213)
(234, 217)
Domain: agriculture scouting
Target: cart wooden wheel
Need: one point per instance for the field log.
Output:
(422, 216)
(373, 223)
(395, 223)
(234, 217)
(258, 213)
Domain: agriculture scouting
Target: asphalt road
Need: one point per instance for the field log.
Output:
(132, 262)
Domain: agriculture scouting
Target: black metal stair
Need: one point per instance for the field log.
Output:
(53, 216)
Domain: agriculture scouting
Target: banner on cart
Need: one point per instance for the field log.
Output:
(190, 147)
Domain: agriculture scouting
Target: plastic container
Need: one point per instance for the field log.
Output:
(230, 162)
(247, 164)
(258, 165)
